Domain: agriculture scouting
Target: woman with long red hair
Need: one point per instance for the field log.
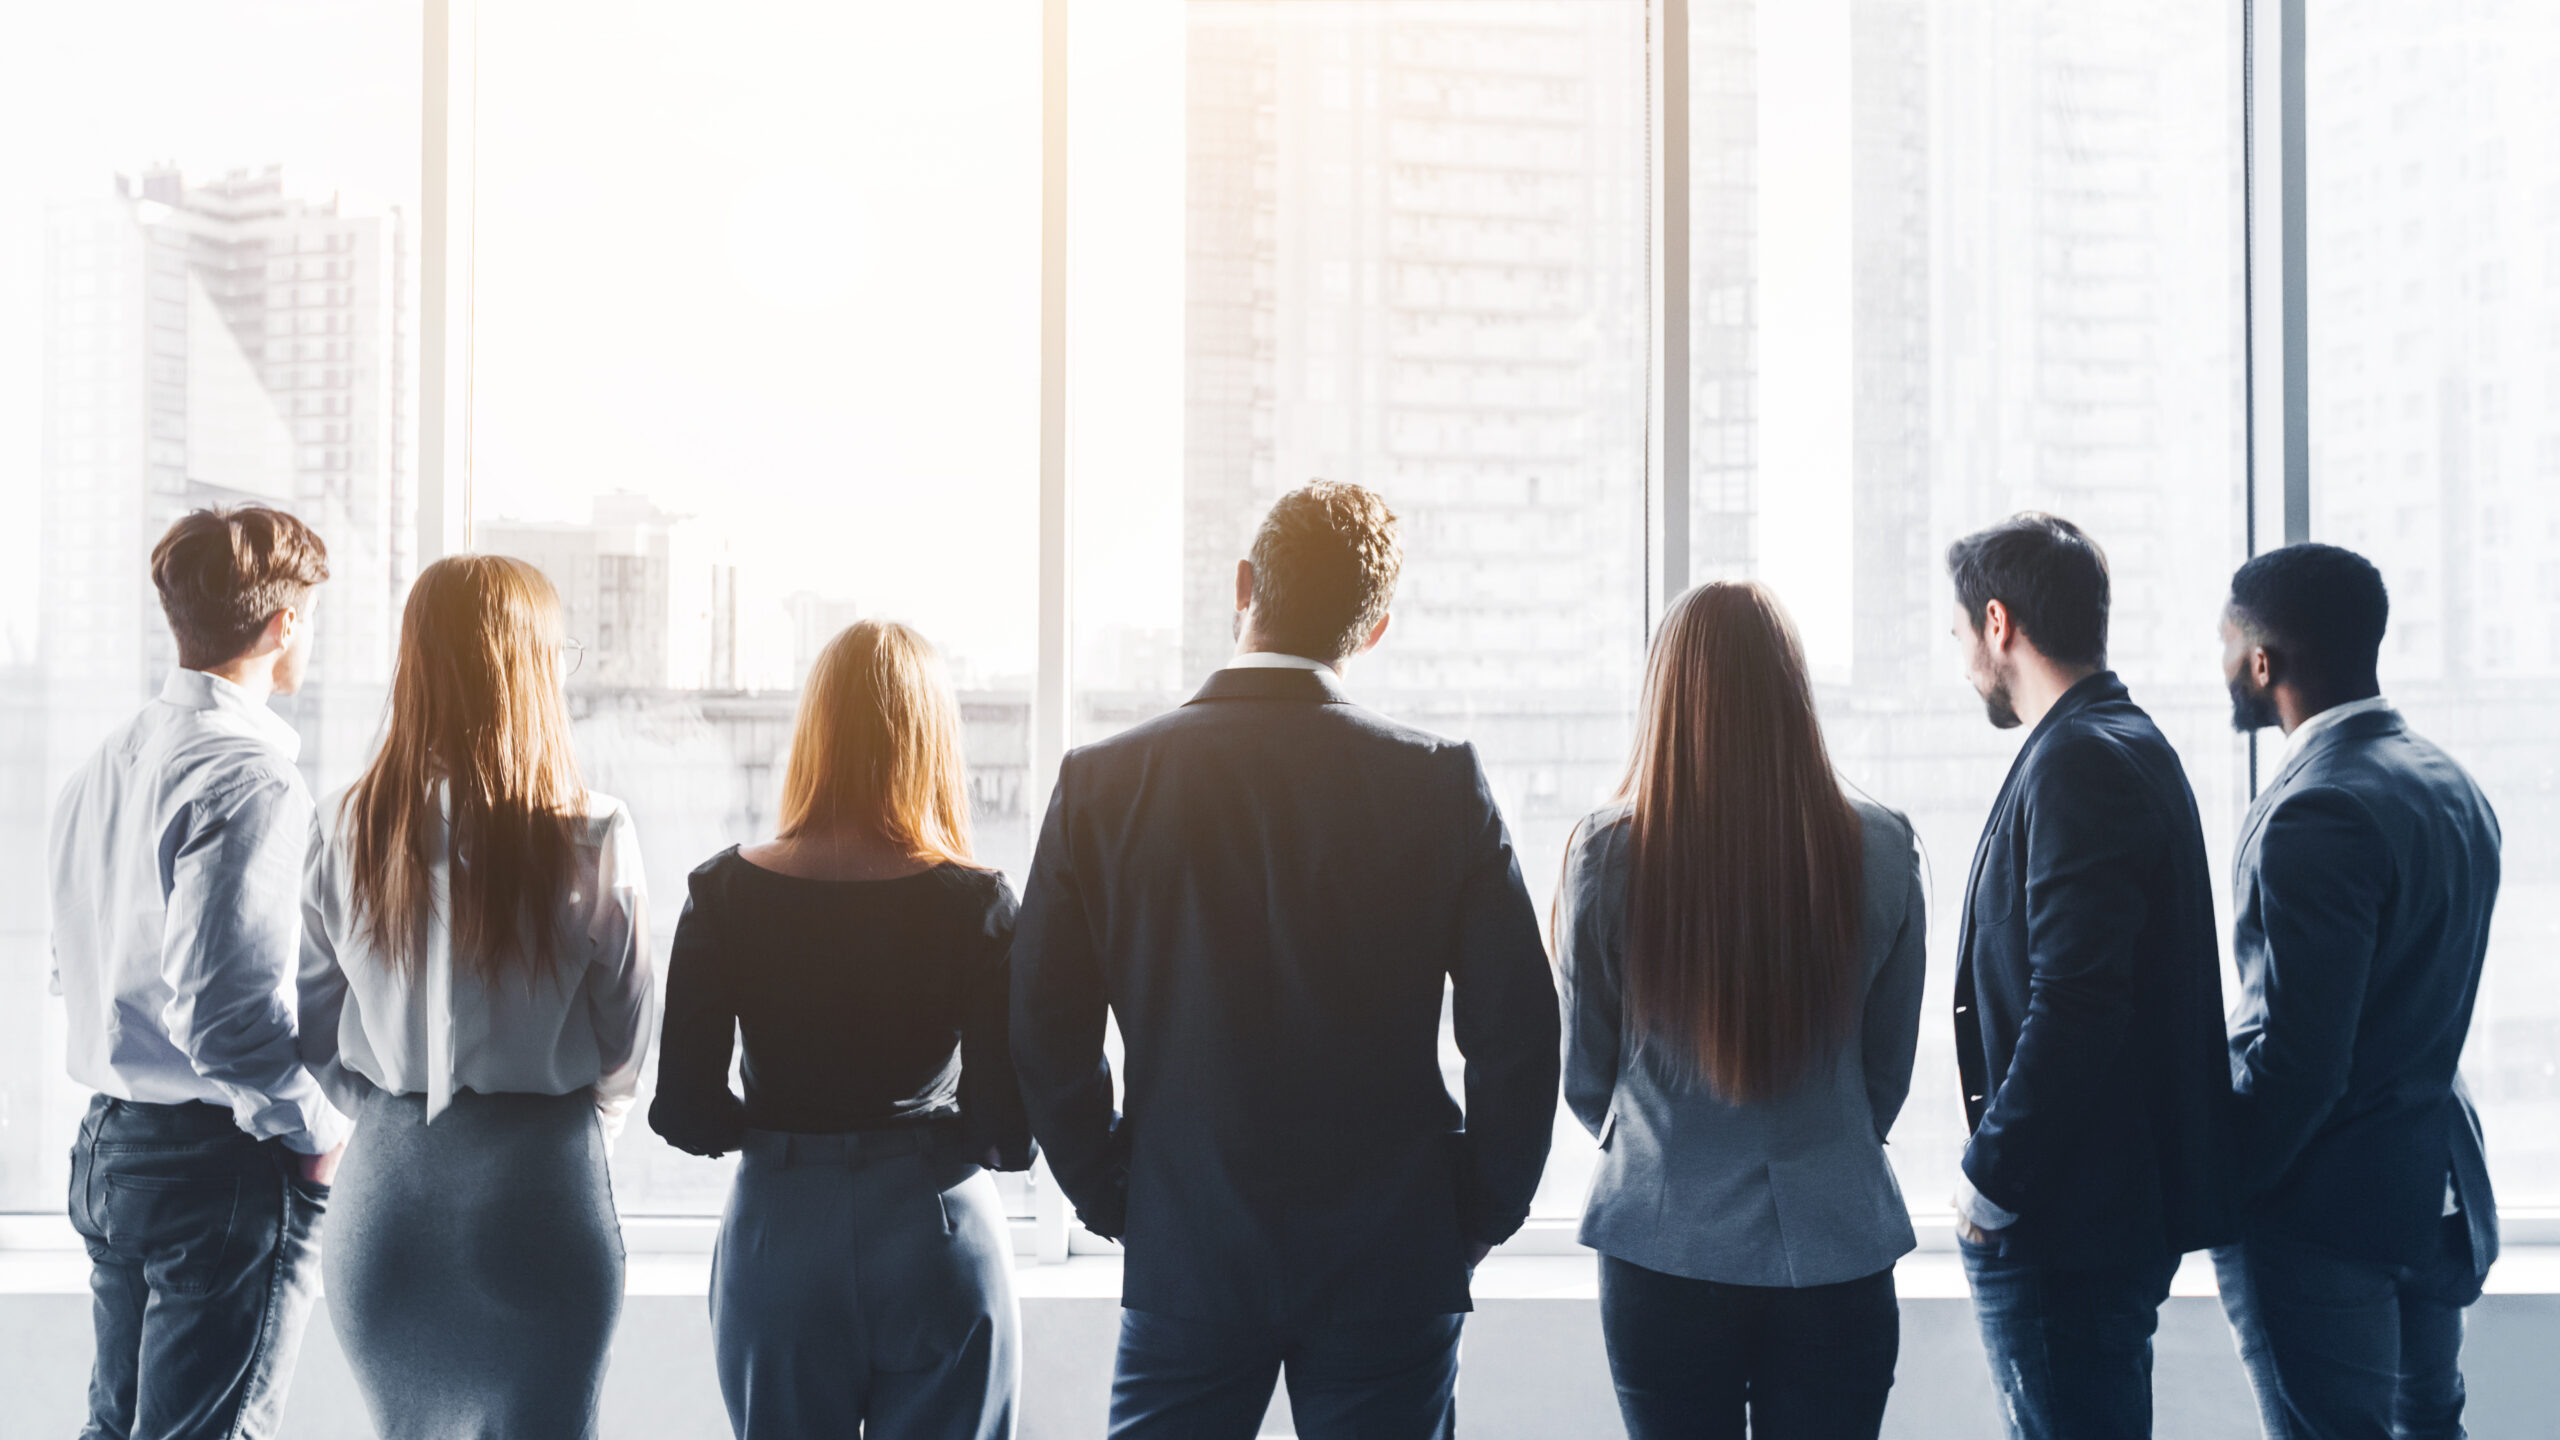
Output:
(476, 992)
(1741, 943)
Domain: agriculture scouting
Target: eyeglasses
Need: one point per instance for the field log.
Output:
(573, 653)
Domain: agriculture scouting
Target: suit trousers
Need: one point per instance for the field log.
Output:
(864, 1282)
(1387, 1379)
(1701, 1360)
(2339, 1348)
(203, 1268)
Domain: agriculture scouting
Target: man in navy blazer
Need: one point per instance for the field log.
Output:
(2088, 1002)
(2367, 871)
(1272, 889)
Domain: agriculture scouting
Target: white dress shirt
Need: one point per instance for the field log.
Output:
(364, 1026)
(176, 869)
(1273, 660)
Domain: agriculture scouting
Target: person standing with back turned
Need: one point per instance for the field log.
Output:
(2088, 1002)
(2366, 875)
(476, 991)
(1273, 889)
(201, 1172)
(1743, 950)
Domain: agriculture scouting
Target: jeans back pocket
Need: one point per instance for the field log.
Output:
(181, 1227)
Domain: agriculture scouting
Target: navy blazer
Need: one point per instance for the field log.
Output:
(2365, 878)
(2089, 1024)
(1272, 890)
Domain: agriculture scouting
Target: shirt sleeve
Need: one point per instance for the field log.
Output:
(623, 990)
(991, 1106)
(322, 1000)
(694, 1109)
(231, 874)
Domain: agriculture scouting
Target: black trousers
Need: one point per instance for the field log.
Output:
(1386, 1379)
(1694, 1358)
(202, 1271)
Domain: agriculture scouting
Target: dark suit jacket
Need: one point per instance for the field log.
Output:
(2366, 874)
(1272, 889)
(2089, 1022)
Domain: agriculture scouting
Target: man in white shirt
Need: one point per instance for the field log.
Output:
(202, 1169)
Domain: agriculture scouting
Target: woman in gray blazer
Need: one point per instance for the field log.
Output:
(1741, 949)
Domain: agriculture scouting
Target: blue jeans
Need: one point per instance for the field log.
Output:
(2338, 1347)
(202, 1271)
(1690, 1357)
(2070, 1350)
(1371, 1379)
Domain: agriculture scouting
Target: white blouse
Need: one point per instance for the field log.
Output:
(366, 1027)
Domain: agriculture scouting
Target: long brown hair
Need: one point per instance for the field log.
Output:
(476, 712)
(877, 746)
(1745, 882)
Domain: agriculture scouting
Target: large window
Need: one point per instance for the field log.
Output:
(756, 340)
(1952, 261)
(756, 332)
(207, 216)
(2434, 249)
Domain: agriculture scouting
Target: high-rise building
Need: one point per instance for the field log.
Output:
(221, 343)
(1416, 259)
(651, 596)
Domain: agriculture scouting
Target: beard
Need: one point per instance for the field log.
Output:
(1996, 703)
(2252, 708)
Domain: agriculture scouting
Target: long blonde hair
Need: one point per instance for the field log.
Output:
(477, 712)
(877, 746)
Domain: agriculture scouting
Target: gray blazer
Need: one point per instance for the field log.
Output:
(1790, 1192)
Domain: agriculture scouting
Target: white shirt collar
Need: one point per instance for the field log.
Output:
(2327, 720)
(1274, 660)
(197, 690)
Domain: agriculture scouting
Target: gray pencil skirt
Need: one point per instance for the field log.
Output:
(474, 1266)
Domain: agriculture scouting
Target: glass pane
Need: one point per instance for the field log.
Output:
(1411, 255)
(206, 291)
(1952, 261)
(757, 355)
(2434, 253)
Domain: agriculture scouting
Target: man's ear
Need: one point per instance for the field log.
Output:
(1995, 629)
(1377, 633)
(2263, 667)
(280, 629)
(1244, 584)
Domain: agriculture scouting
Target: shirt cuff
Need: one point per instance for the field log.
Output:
(1978, 1210)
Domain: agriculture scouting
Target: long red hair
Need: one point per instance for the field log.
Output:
(1746, 877)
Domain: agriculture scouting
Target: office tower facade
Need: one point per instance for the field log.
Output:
(1416, 260)
(650, 595)
(208, 344)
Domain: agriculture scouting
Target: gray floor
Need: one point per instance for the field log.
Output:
(1533, 1368)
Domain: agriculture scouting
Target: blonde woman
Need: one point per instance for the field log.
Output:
(863, 1278)
(476, 993)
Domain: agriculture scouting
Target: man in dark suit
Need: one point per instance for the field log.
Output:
(2367, 871)
(2088, 1002)
(1272, 889)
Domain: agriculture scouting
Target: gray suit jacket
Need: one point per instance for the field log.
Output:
(1791, 1192)
(2365, 880)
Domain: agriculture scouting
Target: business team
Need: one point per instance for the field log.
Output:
(444, 976)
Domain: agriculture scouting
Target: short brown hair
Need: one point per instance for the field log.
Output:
(224, 573)
(1325, 564)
